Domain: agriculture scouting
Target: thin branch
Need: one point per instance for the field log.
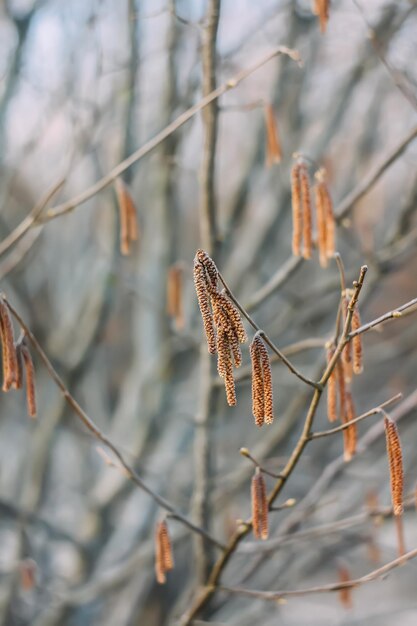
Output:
(267, 340)
(106, 180)
(374, 411)
(356, 582)
(96, 432)
(394, 314)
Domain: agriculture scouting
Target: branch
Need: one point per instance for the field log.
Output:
(395, 314)
(96, 432)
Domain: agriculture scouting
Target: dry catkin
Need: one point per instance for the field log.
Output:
(321, 223)
(395, 460)
(340, 375)
(10, 364)
(357, 343)
(259, 506)
(30, 381)
(296, 209)
(306, 210)
(200, 282)
(257, 383)
(347, 350)
(273, 145)
(350, 434)
(127, 216)
(331, 390)
(345, 593)
(164, 560)
(212, 273)
(174, 295)
(267, 384)
(321, 8)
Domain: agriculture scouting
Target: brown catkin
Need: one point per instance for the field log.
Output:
(321, 8)
(229, 383)
(268, 400)
(395, 460)
(10, 364)
(296, 209)
(329, 222)
(127, 216)
(164, 560)
(347, 350)
(351, 433)
(340, 375)
(321, 223)
(345, 593)
(174, 295)
(257, 383)
(306, 210)
(259, 506)
(210, 268)
(357, 343)
(200, 282)
(19, 378)
(273, 145)
(331, 390)
(30, 381)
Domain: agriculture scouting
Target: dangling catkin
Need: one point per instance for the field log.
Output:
(331, 390)
(340, 375)
(127, 216)
(357, 343)
(273, 146)
(347, 350)
(395, 460)
(10, 365)
(257, 384)
(321, 223)
(164, 560)
(306, 210)
(345, 593)
(321, 8)
(174, 295)
(200, 282)
(212, 273)
(267, 384)
(350, 434)
(296, 209)
(30, 381)
(259, 506)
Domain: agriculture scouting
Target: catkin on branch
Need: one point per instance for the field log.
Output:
(331, 390)
(212, 273)
(164, 560)
(273, 145)
(345, 593)
(395, 460)
(10, 364)
(297, 217)
(200, 282)
(340, 375)
(357, 343)
(127, 215)
(30, 381)
(306, 211)
(267, 384)
(321, 223)
(259, 506)
(174, 295)
(257, 383)
(351, 433)
(321, 8)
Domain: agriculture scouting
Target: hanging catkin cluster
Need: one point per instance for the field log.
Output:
(259, 506)
(395, 459)
(222, 322)
(16, 358)
(164, 560)
(262, 398)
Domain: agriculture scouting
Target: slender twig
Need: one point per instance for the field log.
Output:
(394, 314)
(106, 180)
(267, 340)
(356, 582)
(97, 433)
(245, 452)
(374, 411)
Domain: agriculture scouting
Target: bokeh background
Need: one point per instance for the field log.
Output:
(84, 83)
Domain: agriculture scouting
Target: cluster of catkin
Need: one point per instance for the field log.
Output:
(164, 560)
(302, 237)
(262, 398)
(17, 360)
(129, 229)
(221, 319)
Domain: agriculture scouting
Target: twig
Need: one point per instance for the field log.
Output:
(267, 340)
(374, 411)
(394, 314)
(106, 180)
(96, 432)
(356, 582)
(245, 452)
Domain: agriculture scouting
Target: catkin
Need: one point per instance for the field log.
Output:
(395, 465)
(200, 282)
(350, 434)
(30, 381)
(164, 560)
(259, 506)
(340, 375)
(10, 364)
(347, 350)
(321, 8)
(331, 390)
(321, 223)
(174, 295)
(273, 144)
(262, 393)
(345, 593)
(357, 343)
(212, 273)
(306, 212)
(127, 215)
(296, 209)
